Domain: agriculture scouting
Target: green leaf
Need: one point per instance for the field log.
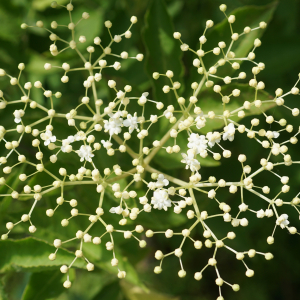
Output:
(245, 16)
(88, 284)
(251, 16)
(90, 28)
(102, 260)
(5, 56)
(13, 181)
(110, 292)
(9, 29)
(135, 293)
(163, 52)
(159, 219)
(36, 65)
(209, 100)
(32, 254)
(44, 285)
(173, 161)
(13, 285)
(3, 295)
(168, 161)
(43, 4)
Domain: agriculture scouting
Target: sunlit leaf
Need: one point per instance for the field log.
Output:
(32, 254)
(44, 285)
(43, 4)
(211, 101)
(163, 53)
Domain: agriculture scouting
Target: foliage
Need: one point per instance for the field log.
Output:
(25, 271)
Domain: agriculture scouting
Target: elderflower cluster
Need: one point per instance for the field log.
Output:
(103, 128)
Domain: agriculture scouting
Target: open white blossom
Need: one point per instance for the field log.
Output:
(113, 125)
(106, 144)
(213, 137)
(85, 153)
(131, 122)
(48, 137)
(79, 136)
(160, 199)
(282, 221)
(127, 163)
(65, 143)
(18, 115)
(190, 161)
(70, 139)
(229, 132)
(200, 121)
(143, 99)
(196, 142)
(161, 181)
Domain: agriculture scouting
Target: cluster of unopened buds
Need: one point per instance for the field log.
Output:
(110, 125)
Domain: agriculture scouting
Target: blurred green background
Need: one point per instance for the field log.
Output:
(276, 280)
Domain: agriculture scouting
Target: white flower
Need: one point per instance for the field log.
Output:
(131, 122)
(227, 217)
(106, 144)
(64, 144)
(153, 118)
(143, 99)
(85, 153)
(282, 221)
(260, 214)
(197, 142)
(116, 210)
(269, 213)
(113, 125)
(79, 136)
(161, 181)
(151, 185)
(48, 137)
(67, 142)
(143, 200)
(87, 238)
(161, 200)
(211, 194)
(184, 47)
(117, 65)
(272, 134)
(18, 115)
(82, 170)
(200, 121)
(190, 162)
(168, 114)
(243, 207)
(71, 139)
(120, 94)
(213, 138)
(229, 132)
